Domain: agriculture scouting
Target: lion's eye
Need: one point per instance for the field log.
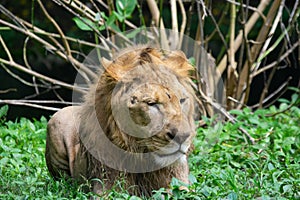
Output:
(182, 100)
(151, 103)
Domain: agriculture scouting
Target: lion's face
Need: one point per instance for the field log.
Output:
(140, 111)
(156, 109)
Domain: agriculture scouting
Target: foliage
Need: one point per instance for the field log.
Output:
(223, 164)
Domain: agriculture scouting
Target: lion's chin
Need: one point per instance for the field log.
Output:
(170, 158)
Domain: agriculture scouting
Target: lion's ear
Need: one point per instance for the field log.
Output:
(113, 69)
(105, 62)
(178, 62)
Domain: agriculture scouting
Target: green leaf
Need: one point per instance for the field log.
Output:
(115, 28)
(270, 166)
(192, 179)
(236, 112)
(134, 32)
(98, 17)
(3, 111)
(125, 7)
(192, 61)
(85, 24)
(111, 20)
(287, 188)
(281, 100)
(232, 196)
(120, 17)
(295, 98)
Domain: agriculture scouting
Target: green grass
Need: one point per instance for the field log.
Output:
(224, 165)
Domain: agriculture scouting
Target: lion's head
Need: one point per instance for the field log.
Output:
(139, 114)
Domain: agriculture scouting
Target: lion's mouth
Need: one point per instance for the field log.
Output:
(178, 152)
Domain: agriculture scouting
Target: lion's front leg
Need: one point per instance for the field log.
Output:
(63, 146)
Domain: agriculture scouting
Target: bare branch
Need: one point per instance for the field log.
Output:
(38, 75)
(17, 102)
(174, 36)
(8, 90)
(183, 23)
(248, 26)
(159, 22)
(279, 91)
(6, 49)
(271, 33)
(281, 58)
(63, 38)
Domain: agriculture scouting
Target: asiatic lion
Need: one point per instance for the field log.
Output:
(136, 124)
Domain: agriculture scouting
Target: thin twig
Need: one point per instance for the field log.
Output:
(174, 35)
(271, 33)
(8, 90)
(280, 91)
(249, 7)
(183, 23)
(50, 47)
(27, 63)
(6, 50)
(62, 35)
(16, 102)
(21, 79)
(248, 26)
(38, 75)
(159, 23)
(273, 64)
(223, 112)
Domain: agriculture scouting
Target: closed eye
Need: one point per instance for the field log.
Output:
(151, 103)
(182, 100)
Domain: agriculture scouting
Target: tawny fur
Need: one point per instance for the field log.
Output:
(66, 152)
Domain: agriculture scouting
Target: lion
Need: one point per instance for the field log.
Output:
(136, 125)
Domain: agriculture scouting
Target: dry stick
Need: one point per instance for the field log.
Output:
(55, 35)
(217, 25)
(43, 101)
(223, 112)
(38, 75)
(12, 63)
(8, 90)
(27, 63)
(273, 64)
(92, 18)
(21, 79)
(22, 25)
(159, 22)
(248, 26)
(49, 47)
(231, 44)
(62, 35)
(281, 90)
(231, 70)
(183, 23)
(95, 6)
(6, 50)
(63, 38)
(271, 33)
(174, 39)
(16, 102)
(248, 7)
(266, 44)
(243, 88)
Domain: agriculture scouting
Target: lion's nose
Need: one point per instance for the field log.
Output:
(172, 133)
(177, 137)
